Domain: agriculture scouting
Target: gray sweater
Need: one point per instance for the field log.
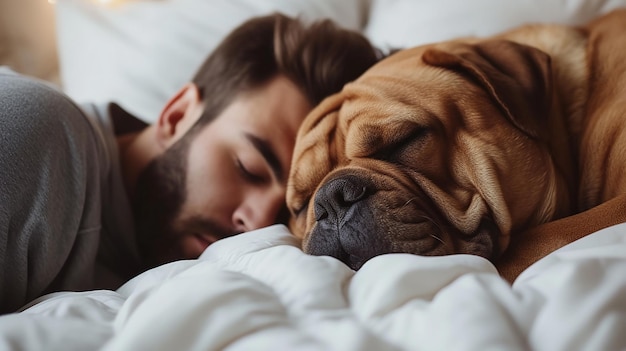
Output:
(65, 219)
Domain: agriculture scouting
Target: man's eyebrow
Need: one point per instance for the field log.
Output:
(264, 147)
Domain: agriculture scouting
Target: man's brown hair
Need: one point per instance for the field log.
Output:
(319, 59)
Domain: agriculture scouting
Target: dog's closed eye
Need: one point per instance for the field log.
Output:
(391, 149)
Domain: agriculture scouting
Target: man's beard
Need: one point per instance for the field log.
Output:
(159, 196)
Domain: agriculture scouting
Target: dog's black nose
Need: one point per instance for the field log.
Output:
(336, 197)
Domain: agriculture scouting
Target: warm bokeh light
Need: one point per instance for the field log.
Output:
(102, 2)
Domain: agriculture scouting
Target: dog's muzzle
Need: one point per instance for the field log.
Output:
(345, 223)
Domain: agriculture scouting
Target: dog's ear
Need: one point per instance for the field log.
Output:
(517, 76)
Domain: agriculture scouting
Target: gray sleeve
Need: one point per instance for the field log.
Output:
(49, 193)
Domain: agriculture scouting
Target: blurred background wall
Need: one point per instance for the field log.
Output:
(27, 38)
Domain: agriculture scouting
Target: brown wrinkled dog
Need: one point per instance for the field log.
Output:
(470, 146)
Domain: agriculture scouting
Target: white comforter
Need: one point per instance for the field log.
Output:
(258, 291)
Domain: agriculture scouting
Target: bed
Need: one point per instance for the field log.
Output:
(258, 290)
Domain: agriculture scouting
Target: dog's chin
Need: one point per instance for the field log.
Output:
(363, 238)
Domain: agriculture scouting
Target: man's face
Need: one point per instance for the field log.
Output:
(234, 172)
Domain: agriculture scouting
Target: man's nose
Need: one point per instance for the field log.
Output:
(258, 211)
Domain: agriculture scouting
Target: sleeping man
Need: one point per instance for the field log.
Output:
(90, 196)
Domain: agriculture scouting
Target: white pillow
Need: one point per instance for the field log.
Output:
(140, 52)
(405, 23)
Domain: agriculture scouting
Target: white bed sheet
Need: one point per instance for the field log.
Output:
(259, 291)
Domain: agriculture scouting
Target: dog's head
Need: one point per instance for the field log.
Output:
(435, 150)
